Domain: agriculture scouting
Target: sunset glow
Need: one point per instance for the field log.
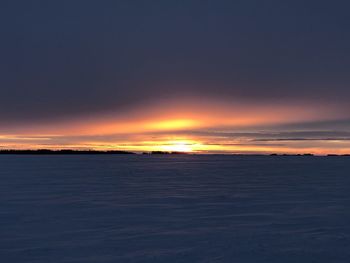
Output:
(202, 130)
(196, 128)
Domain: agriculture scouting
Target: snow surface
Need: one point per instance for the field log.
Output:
(174, 209)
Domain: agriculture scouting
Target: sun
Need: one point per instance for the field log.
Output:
(177, 147)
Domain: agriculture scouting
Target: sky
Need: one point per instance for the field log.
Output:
(217, 76)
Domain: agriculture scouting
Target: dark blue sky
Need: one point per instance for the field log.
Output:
(71, 58)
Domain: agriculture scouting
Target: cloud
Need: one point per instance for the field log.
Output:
(61, 63)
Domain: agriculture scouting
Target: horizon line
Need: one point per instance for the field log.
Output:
(92, 151)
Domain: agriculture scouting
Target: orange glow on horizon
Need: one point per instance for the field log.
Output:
(194, 145)
(173, 127)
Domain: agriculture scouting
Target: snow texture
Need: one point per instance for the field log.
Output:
(179, 208)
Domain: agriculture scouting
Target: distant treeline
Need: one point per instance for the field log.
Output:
(162, 152)
(307, 154)
(56, 152)
(46, 151)
(95, 152)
